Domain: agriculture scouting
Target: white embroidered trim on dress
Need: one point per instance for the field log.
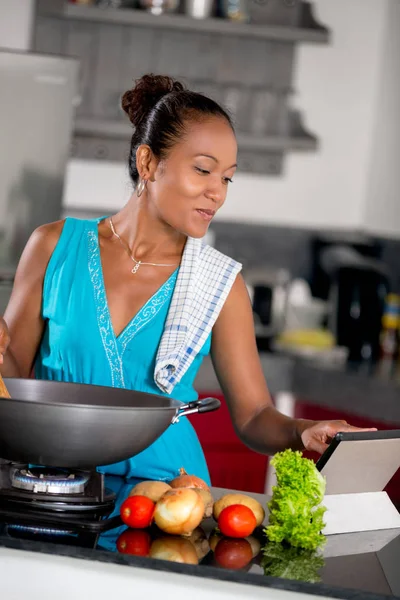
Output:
(147, 312)
(145, 315)
(103, 315)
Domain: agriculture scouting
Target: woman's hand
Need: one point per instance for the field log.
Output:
(318, 435)
(4, 339)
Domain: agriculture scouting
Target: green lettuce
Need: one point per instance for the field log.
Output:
(287, 562)
(296, 513)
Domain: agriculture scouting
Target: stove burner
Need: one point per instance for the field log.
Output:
(49, 481)
(55, 498)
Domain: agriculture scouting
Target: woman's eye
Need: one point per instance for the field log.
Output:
(202, 171)
(228, 179)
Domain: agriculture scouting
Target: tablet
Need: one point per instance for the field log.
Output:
(360, 461)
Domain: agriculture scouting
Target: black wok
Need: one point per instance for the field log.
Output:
(83, 426)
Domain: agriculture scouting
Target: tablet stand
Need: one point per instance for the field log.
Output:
(367, 511)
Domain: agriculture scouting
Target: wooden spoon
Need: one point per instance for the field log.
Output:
(4, 393)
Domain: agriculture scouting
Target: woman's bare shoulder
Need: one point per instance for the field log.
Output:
(45, 237)
(39, 248)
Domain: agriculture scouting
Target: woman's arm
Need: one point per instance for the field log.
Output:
(238, 368)
(22, 328)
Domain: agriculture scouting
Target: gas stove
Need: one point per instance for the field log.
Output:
(56, 499)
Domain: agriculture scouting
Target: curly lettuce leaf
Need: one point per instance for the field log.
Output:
(286, 562)
(296, 514)
(294, 471)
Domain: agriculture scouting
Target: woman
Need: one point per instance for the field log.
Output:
(114, 301)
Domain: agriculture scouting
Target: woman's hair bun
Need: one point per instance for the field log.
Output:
(145, 94)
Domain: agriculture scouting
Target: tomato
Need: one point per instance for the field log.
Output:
(134, 541)
(233, 554)
(137, 512)
(237, 521)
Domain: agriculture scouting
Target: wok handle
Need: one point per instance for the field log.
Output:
(198, 406)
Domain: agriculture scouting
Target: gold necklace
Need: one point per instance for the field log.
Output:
(138, 263)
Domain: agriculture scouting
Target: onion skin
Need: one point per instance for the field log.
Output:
(151, 489)
(188, 481)
(207, 500)
(174, 549)
(179, 511)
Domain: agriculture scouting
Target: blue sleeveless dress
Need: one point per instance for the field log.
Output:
(79, 346)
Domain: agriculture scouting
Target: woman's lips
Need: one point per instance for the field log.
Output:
(206, 214)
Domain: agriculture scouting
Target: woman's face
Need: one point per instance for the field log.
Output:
(191, 184)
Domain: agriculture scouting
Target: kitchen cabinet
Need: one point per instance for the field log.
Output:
(249, 70)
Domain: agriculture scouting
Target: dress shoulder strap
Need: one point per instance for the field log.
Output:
(65, 254)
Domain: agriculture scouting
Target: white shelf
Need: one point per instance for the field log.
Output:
(121, 130)
(134, 17)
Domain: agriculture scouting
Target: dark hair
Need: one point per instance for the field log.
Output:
(158, 107)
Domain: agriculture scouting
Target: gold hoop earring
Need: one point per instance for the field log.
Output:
(140, 187)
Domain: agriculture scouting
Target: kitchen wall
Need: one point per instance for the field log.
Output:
(336, 85)
(15, 23)
(349, 183)
(382, 207)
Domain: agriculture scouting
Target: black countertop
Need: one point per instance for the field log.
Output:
(362, 565)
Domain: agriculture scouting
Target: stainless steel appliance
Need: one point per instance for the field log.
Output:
(268, 291)
(37, 97)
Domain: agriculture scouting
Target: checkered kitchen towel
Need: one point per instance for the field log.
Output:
(204, 280)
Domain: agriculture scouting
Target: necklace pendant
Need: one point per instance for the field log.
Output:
(135, 268)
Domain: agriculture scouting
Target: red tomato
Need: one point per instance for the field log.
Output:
(134, 541)
(137, 512)
(233, 554)
(237, 521)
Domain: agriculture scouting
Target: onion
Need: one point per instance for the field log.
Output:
(151, 489)
(200, 542)
(174, 549)
(207, 500)
(179, 511)
(188, 481)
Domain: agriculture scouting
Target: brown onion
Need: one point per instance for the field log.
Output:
(208, 501)
(179, 511)
(151, 489)
(174, 549)
(188, 481)
(200, 542)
